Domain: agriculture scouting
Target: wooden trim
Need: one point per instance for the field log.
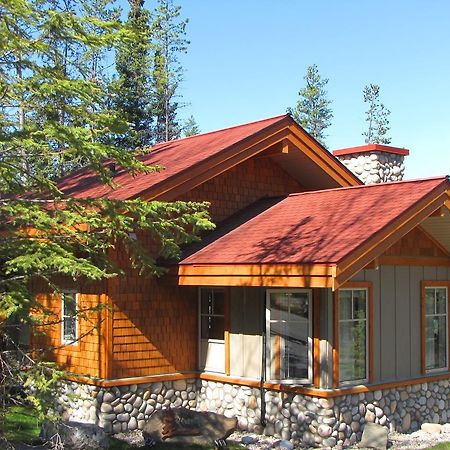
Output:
(282, 130)
(353, 285)
(322, 393)
(382, 240)
(268, 281)
(322, 270)
(316, 337)
(328, 163)
(256, 383)
(423, 285)
(227, 330)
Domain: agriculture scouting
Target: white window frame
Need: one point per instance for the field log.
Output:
(64, 317)
(307, 380)
(366, 379)
(431, 286)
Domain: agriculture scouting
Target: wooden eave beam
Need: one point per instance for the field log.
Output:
(379, 243)
(322, 158)
(273, 275)
(277, 149)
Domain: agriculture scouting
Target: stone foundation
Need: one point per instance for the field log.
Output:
(311, 420)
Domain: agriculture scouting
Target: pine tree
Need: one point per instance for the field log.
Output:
(51, 113)
(190, 127)
(169, 42)
(377, 117)
(132, 97)
(312, 111)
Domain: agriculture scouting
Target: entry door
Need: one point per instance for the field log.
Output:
(289, 335)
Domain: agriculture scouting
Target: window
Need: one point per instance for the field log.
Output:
(212, 353)
(212, 313)
(69, 317)
(353, 335)
(436, 320)
(289, 330)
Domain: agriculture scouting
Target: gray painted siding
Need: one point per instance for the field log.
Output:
(396, 315)
(247, 306)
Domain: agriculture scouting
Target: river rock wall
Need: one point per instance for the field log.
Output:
(308, 419)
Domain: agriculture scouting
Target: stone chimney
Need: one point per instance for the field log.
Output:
(374, 163)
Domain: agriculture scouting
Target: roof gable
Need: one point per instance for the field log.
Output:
(190, 161)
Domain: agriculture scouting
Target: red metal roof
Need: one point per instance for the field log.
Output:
(371, 148)
(317, 227)
(176, 156)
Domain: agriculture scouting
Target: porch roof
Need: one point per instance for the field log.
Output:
(331, 233)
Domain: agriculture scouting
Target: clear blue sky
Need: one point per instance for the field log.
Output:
(247, 59)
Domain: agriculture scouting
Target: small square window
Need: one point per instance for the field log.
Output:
(69, 309)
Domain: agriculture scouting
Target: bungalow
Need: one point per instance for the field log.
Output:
(317, 305)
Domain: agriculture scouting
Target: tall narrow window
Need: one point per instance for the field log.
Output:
(436, 320)
(69, 317)
(289, 330)
(353, 335)
(212, 329)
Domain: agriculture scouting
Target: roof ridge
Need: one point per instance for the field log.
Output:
(217, 131)
(362, 186)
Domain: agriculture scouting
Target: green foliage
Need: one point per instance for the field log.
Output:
(132, 96)
(169, 37)
(190, 127)
(55, 116)
(441, 446)
(312, 111)
(377, 117)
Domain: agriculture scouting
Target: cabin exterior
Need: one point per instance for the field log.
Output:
(317, 305)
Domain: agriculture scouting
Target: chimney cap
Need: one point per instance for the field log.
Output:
(371, 148)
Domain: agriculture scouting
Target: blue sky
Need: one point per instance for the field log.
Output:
(247, 59)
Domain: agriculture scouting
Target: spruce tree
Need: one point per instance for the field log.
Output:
(169, 40)
(132, 90)
(312, 111)
(377, 117)
(51, 113)
(190, 127)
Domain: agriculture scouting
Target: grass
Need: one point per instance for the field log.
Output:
(441, 446)
(20, 425)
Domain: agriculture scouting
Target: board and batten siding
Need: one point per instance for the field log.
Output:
(396, 315)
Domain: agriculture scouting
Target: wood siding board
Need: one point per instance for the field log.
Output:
(416, 275)
(430, 273)
(316, 337)
(388, 321)
(373, 276)
(402, 322)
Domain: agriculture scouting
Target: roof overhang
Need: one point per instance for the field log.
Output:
(334, 274)
(271, 275)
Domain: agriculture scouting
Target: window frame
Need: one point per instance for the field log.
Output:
(64, 317)
(353, 285)
(226, 323)
(303, 381)
(425, 284)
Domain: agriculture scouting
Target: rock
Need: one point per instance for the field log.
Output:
(324, 430)
(75, 435)
(374, 436)
(184, 426)
(433, 428)
(180, 385)
(285, 445)
(246, 440)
